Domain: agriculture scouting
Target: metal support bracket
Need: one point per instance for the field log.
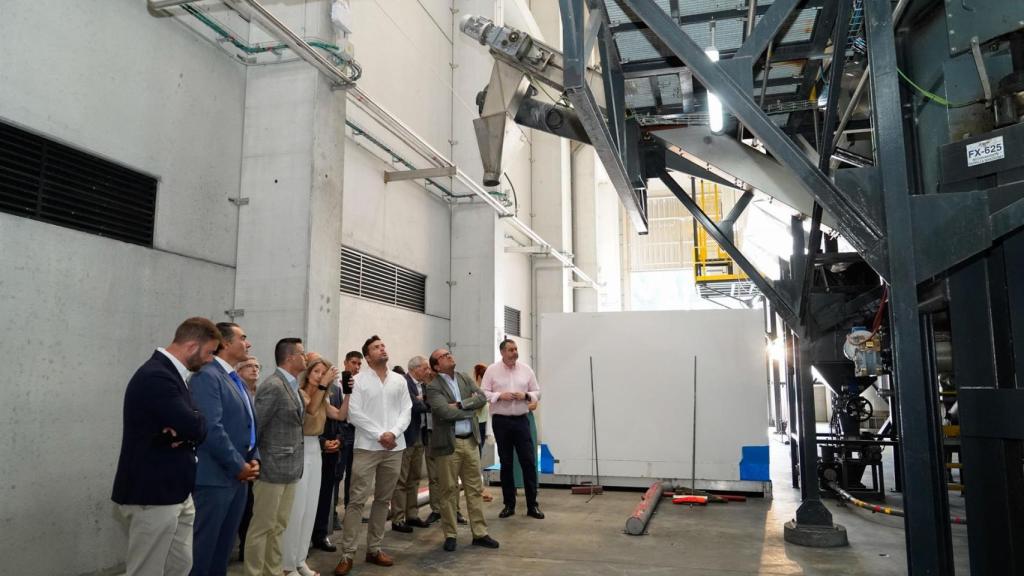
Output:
(852, 222)
(441, 171)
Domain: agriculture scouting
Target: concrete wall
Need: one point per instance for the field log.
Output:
(80, 313)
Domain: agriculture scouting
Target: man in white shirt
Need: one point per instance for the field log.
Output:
(380, 410)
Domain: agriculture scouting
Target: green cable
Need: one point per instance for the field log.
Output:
(932, 96)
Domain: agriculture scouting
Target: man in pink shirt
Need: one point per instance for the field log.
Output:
(510, 386)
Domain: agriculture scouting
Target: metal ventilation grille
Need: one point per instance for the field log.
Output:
(51, 182)
(375, 279)
(512, 321)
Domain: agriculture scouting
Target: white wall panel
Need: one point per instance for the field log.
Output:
(643, 382)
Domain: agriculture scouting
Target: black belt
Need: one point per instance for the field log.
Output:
(508, 415)
(464, 436)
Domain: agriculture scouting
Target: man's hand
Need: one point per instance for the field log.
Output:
(331, 446)
(507, 396)
(249, 472)
(387, 440)
(520, 395)
(174, 434)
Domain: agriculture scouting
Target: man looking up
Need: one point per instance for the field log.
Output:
(510, 385)
(406, 511)
(379, 409)
(454, 399)
(228, 457)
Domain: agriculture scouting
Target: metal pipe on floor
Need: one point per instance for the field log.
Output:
(636, 524)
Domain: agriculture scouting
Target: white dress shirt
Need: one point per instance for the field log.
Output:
(376, 407)
(185, 372)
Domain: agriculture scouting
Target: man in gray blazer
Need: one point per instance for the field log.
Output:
(453, 400)
(279, 411)
(228, 458)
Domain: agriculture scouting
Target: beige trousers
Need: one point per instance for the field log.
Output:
(159, 539)
(406, 490)
(463, 464)
(271, 507)
(375, 470)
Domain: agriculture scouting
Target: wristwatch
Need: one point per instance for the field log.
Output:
(322, 387)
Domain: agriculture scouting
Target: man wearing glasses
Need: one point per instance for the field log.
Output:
(279, 411)
(249, 371)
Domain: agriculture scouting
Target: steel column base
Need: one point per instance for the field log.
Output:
(813, 536)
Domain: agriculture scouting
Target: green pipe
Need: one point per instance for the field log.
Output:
(246, 48)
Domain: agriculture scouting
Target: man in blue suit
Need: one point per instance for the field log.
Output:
(228, 458)
(156, 469)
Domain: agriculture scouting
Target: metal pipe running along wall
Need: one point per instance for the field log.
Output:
(397, 128)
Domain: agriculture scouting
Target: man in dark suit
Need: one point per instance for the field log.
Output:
(156, 469)
(228, 457)
(279, 412)
(454, 400)
(404, 501)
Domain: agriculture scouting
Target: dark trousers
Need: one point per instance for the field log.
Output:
(218, 514)
(345, 456)
(512, 434)
(323, 525)
(243, 527)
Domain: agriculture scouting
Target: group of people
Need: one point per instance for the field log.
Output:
(209, 454)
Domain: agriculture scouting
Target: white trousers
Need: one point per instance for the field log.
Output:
(296, 538)
(159, 539)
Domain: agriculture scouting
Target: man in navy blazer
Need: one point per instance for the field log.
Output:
(228, 457)
(156, 470)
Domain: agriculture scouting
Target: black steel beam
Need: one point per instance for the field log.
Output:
(842, 28)
(852, 221)
(929, 543)
(781, 304)
(767, 29)
(607, 136)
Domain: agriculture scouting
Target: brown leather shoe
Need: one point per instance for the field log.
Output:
(380, 559)
(343, 567)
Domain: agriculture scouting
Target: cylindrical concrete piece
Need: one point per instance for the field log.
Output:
(636, 524)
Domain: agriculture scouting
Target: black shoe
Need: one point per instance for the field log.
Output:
(432, 518)
(401, 527)
(449, 544)
(535, 513)
(324, 544)
(460, 519)
(416, 523)
(486, 541)
(507, 511)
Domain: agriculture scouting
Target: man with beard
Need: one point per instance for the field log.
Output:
(156, 469)
(380, 410)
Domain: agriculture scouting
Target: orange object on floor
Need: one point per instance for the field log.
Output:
(690, 499)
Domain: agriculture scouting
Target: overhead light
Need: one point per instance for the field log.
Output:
(716, 117)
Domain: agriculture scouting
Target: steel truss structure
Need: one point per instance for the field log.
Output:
(937, 260)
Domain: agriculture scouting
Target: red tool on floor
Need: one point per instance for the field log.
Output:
(690, 499)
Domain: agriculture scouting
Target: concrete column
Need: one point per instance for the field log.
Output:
(597, 237)
(289, 239)
(476, 245)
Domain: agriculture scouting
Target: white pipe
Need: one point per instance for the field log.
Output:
(392, 124)
(284, 34)
(397, 128)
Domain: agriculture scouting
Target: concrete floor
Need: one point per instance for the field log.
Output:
(584, 538)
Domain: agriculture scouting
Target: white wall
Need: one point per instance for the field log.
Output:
(80, 313)
(409, 226)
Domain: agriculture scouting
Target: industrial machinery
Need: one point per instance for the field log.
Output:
(892, 128)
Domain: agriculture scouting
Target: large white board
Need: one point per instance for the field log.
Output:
(643, 391)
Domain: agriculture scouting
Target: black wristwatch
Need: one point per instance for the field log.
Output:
(322, 387)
